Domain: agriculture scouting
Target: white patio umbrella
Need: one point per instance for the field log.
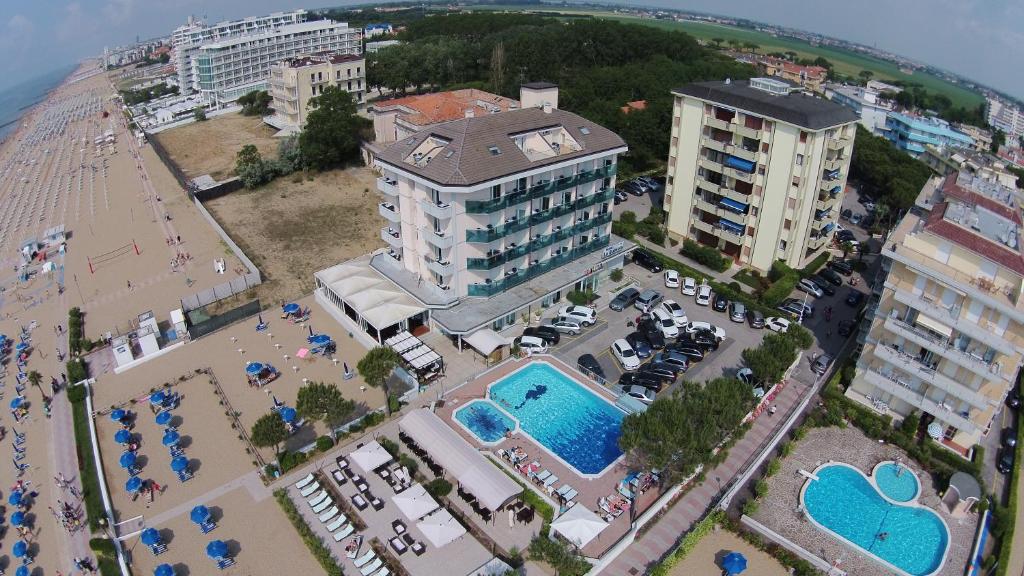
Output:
(935, 430)
(579, 525)
(414, 502)
(370, 456)
(441, 528)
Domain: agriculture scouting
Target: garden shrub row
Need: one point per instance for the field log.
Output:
(688, 543)
(705, 255)
(86, 463)
(566, 560)
(315, 544)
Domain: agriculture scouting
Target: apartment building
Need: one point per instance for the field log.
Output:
(1006, 117)
(399, 118)
(757, 170)
(295, 81)
(810, 77)
(867, 103)
(912, 133)
(492, 217)
(947, 323)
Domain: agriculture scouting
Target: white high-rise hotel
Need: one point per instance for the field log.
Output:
(229, 59)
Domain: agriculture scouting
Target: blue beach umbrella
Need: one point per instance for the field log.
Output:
(288, 415)
(150, 537)
(133, 484)
(200, 514)
(164, 570)
(21, 347)
(254, 368)
(117, 415)
(17, 402)
(734, 563)
(179, 463)
(18, 518)
(171, 438)
(19, 549)
(22, 571)
(290, 308)
(163, 418)
(216, 549)
(122, 436)
(157, 397)
(127, 460)
(320, 340)
(14, 499)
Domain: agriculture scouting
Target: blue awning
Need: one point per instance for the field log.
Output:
(819, 214)
(739, 164)
(733, 205)
(835, 190)
(731, 226)
(828, 228)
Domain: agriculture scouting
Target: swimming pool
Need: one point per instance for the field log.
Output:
(562, 415)
(485, 420)
(843, 502)
(896, 481)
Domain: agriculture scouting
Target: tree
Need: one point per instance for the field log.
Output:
(376, 368)
(865, 75)
(255, 103)
(847, 247)
(324, 402)
(269, 430)
(998, 140)
(717, 42)
(199, 114)
(251, 168)
(331, 137)
(35, 378)
(498, 67)
(751, 46)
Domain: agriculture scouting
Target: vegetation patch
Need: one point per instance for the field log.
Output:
(316, 545)
(705, 255)
(86, 463)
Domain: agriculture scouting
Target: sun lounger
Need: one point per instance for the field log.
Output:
(383, 572)
(563, 489)
(572, 493)
(339, 478)
(159, 549)
(225, 563)
(337, 523)
(329, 514)
(365, 559)
(323, 506)
(318, 498)
(308, 490)
(207, 527)
(344, 533)
(371, 567)
(184, 475)
(542, 475)
(550, 480)
(305, 481)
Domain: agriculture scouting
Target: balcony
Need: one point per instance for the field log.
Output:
(710, 186)
(541, 216)
(826, 203)
(944, 348)
(714, 144)
(901, 390)
(436, 209)
(746, 132)
(439, 266)
(492, 233)
(741, 152)
(536, 269)
(836, 164)
(831, 186)
(912, 365)
(387, 186)
(538, 190)
(716, 123)
(838, 143)
(951, 315)
(602, 195)
(740, 175)
(703, 226)
(437, 239)
(392, 237)
(389, 212)
(709, 164)
(737, 196)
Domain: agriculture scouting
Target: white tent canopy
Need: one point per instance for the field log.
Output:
(370, 456)
(491, 487)
(375, 298)
(579, 525)
(485, 340)
(414, 502)
(441, 528)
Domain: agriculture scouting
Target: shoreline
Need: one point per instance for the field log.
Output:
(28, 112)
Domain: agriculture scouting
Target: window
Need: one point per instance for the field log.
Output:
(753, 211)
(782, 245)
(764, 147)
(796, 180)
(359, 70)
(669, 180)
(787, 224)
(803, 137)
(799, 159)
(349, 73)
(494, 150)
(760, 170)
(312, 77)
(792, 202)
(675, 141)
(495, 191)
(350, 85)
(584, 130)
(359, 84)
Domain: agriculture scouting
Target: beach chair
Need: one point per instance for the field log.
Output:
(542, 476)
(208, 526)
(344, 533)
(550, 480)
(570, 495)
(365, 559)
(329, 515)
(337, 523)
(225, 563)
(184, 475)
(563, 489)
(383, 572)
(318, 498)
(372, 567)
(323, 506)
(159, 549)
(305, 481)
(308, 490)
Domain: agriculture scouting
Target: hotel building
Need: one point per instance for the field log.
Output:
(757, 170)
(946, 326)
(913, 133)
(295, 81)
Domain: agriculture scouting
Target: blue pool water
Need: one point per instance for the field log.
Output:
(844, 502)
(485, 420)
(562, 415)
(896, 482)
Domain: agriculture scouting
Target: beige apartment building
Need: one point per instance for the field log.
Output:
(946, 333)
(295, 81)
(757, 170)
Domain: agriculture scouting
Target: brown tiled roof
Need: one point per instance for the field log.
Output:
(427, 109)
(951, 188)
(938, 225)
(470, 140)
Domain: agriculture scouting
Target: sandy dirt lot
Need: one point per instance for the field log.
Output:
(707, 557)
(210, 147)
(294, 226)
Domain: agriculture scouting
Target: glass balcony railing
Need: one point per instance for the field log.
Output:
(602, 195)
(538, 190)
(492, 233)
(516, 278)
(538, 243)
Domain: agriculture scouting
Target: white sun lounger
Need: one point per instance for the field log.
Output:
(305, 492)
(329, 514)
(344, 533)
(364, 559)
(383, 572)
(572, 493)
(337, 523)
(563, 489)
(305, 481)
(550, 480)
(371, 567)
(323, 506)
(316, 500)
(542, 475)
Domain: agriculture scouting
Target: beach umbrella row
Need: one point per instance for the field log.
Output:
(163, 418)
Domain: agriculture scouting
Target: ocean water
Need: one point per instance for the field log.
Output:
(16, 100)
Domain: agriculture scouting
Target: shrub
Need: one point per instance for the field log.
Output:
(407, 461)
(616, 275)
(76, 394)
(688, 543)
(581, 298)
(322, 553)
(390, 445)
(761, 488)
(324, 443)
(289, 460)
(750, 507)
(773, 468)
(705, 255)
(815, 264)
(438, 487)
(565, 560)
(624, 229)
(780, 289)
(785, 449)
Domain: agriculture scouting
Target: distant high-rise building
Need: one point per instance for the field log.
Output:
(1005, 117)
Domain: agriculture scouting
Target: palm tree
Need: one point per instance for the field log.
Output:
(376, 367)
(35, 378)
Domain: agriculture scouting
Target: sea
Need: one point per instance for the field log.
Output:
(16, 100)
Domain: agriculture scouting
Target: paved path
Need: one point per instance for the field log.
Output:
(250, 481)
(648, 550)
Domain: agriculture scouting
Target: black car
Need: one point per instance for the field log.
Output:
(645, 259)
(854, 298)
(649, 381)
(590, 366)
(635, 188)
(706, 339)
(841, 266)
(720, 303)
(667, 371)
(1013, 399)
(831, 276)
(652, 334)
(694, 353)
(845, 214)
(640, 344)
(824, 284)
(1009, 437)
(549, 335)
(755, 319)
(846, 327)
(1005, 462)
(669, 357)
(624, 299)
(620, 197)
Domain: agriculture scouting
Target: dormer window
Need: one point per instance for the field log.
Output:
(494, 150)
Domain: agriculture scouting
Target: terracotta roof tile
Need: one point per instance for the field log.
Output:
(427, 109)
(938, 225)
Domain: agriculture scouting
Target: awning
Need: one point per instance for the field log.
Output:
(739, 164)
(730, 204)
(730, 225)
(579, 525)
(934, 325)
(414, 502)
(485, 341)
(371, 295)
(828, 227)
(370, 456)
(441, 528)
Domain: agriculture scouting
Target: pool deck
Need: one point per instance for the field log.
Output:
(778, 509)
(590, 489)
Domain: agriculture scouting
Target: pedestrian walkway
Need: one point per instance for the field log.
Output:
(648, 550)
(251, 481)
(673, 253)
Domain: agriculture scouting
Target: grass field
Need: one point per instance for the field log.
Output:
(845, 62)
(211, 147)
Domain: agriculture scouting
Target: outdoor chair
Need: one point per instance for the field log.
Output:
(383, 572)
(550, 480)
(225, 563)
(359, 502)
(418, 548)
(342, 462)
(377, 503)
(329, 515)
(159, 549)
(318, 498)
(323, 506)
(184, 475)
(365, 559)
(344, 533)
(363, 487)
(337, 523)
(305, 481)
(408, 539)
(207, 526)
(371, 567)
(398, 546)
(308, 490)
(542, 476)
(399, 527)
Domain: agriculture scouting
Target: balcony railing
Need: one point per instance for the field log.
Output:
(439, 267)
(714, 144)
(389, 212)
(716, 123)
(534, 270)
(438, 239)
(930, 375)
(602, 195)
(952, 315)
(741, 152)
(391, 236)
(746, 132)
(838, 143)
(387, 186)
(513, 252)
(538, 190)
(740, 175)
(835, 164)
(894, 386)
(944, 348)
(436, 209)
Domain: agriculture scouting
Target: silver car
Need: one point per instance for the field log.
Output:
(566, 326)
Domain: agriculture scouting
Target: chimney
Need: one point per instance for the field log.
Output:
(546, 107)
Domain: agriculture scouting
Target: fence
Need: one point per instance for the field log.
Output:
(230, 288)
(165, 157)
(222, 188)
(201, 324)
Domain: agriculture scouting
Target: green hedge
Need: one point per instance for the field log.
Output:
(688, 543)
(705, 255)
(316, 546)
(565, 560)
(1005, 548)
(815, 265)
(76, 371)
(86, 463)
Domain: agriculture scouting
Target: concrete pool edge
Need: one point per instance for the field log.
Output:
(494, 404)
(873, 478)
(856, 547)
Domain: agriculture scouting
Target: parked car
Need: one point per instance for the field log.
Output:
(1009, 437)
(776, 324)
(693, 353)
(634, 188)
(652, 332)
(624, 299)
(675, 311)
(673, 358)
(650, 182)
(665, 322)
(845, 235)
(706, 339)
(845, 214)
(689, 286)
(668, 372)
(641, 379)
(821, 363)
(808, 285)
(796, 307)
(846, 327)
(1005, 462)
(854, 298)
(841, 266)
(645, 259)
(823, 284)
(703, 297)
(620, 197)
(755, 319)
(671, 278)
(647, 300)
(582, 314)
(831, 276)
(1013, 399)
(640, 345)
(625, 354)
(549, 335)
(697, 326)
(531, 344)
(856, 219)
(570, 327)
(645, 395)
(591, 367)
(746, 375)
(737, 312)
(720, 303)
